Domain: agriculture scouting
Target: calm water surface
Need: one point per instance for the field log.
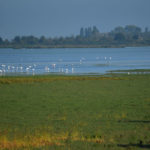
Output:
(72, 60)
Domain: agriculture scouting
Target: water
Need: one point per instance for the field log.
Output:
(72, 60)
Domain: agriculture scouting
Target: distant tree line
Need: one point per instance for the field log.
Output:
(129, 35)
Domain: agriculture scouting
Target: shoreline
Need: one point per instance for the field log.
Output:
(71, 46)
(110, 73)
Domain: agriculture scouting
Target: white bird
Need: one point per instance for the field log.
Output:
(27, 69)
(47, 69)
(8, 67)
(13, 67)
(53, 65)
(67, 70)
(3, 65)
(72, 70)
(80, 61)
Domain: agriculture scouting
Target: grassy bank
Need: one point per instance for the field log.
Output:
(131, 71)
(75, 112)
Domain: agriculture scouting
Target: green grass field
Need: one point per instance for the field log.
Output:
(75, 112)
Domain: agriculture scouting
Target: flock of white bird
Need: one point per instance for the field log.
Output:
(51, 67)
(33, 69)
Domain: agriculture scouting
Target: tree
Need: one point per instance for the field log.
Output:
(135, 37)
(42, 40)
(1, 40)
(6, 42)
(28, 40)
(146, 29)
(119, 37)
(128, 35)
(89, 31)
(119, 30)
(17, 40)
(86, 32)
(95, 31)
(31, 40)
(82, 33)
(132, 29)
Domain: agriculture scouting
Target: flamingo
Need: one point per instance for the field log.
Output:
(67, 70)
(53, 65)
(27, 69)
(47, 69)
(72, 70)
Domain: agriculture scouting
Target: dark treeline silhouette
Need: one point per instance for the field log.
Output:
(129, 35)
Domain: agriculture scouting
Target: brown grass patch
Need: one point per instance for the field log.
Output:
(9, 80)
(30, 141)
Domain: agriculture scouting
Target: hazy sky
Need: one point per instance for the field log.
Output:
(65, 17)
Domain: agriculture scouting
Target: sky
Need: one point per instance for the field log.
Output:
(55, 18)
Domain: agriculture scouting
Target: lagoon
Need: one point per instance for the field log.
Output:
(72, 60)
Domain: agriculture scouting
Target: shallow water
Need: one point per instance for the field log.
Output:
(72, 60)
